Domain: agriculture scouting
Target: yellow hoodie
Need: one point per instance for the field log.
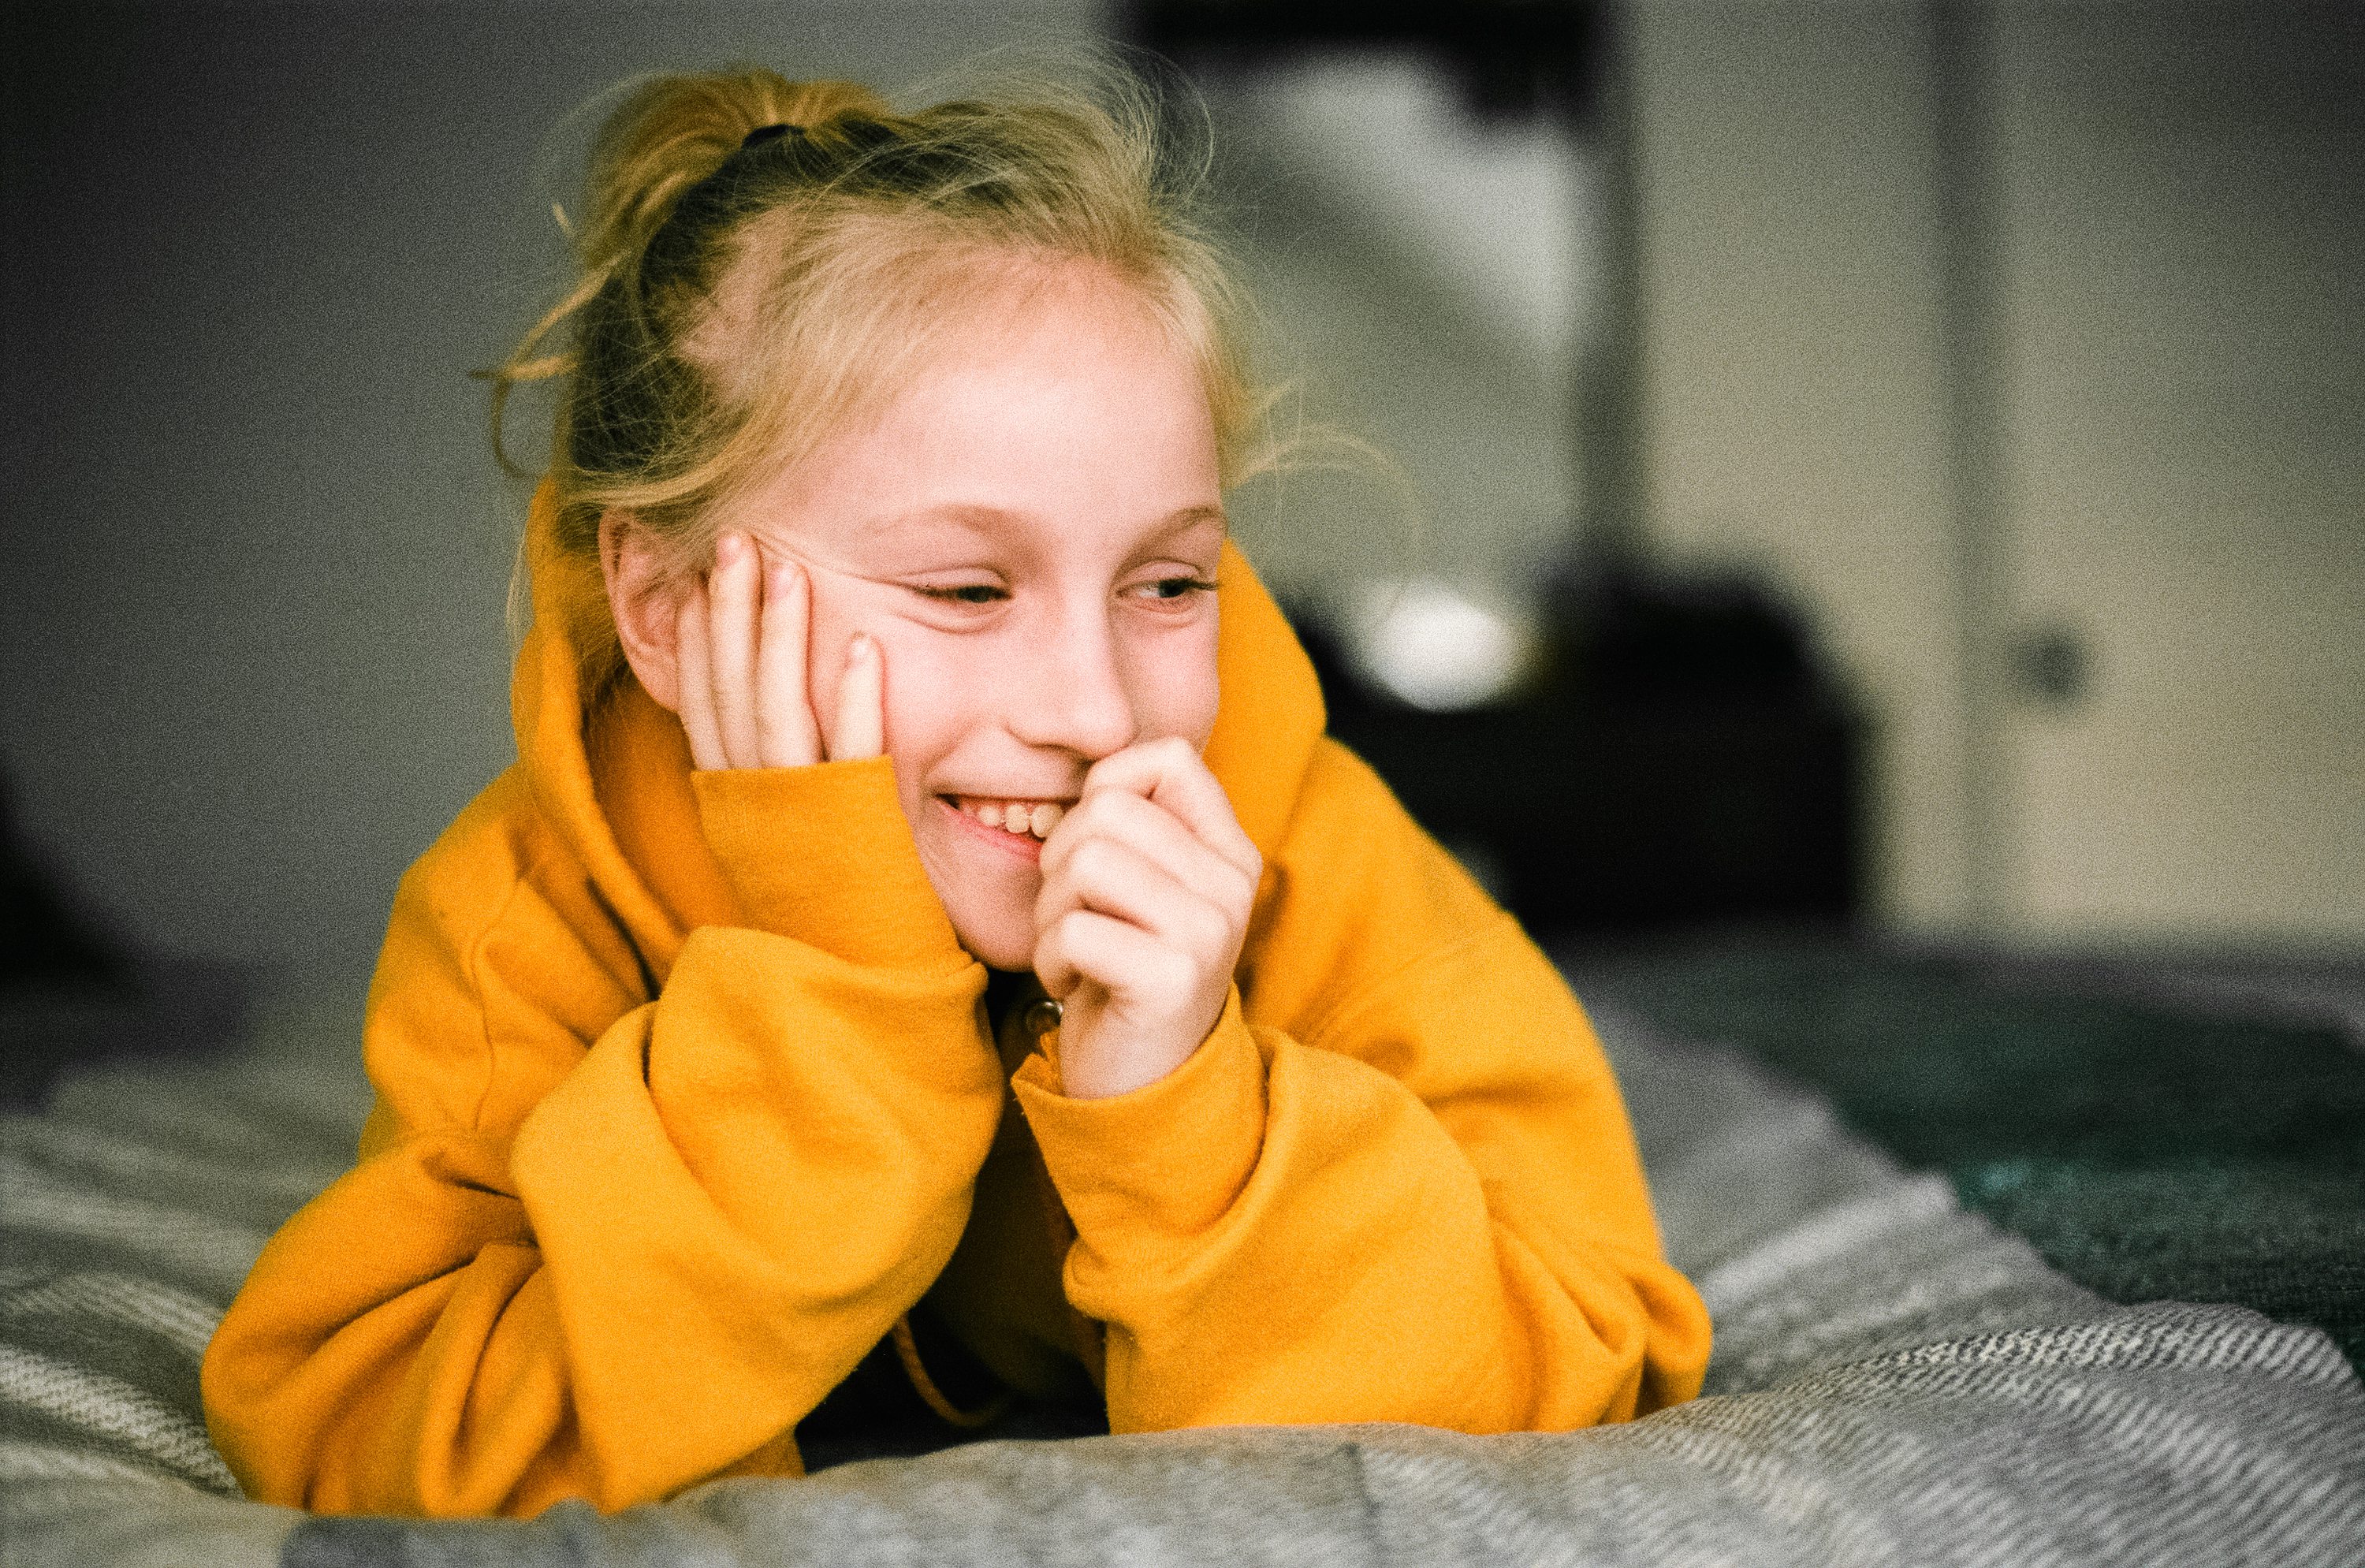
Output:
(685, 1094)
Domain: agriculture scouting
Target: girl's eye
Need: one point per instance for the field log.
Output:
(964, 593)
(1160, 590)
(1168, 590)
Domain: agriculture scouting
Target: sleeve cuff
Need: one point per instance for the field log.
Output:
(1166, 1159)
(823, 854)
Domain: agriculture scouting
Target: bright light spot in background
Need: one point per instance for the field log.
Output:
(1433, 646)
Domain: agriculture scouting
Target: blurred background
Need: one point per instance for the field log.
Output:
(1892, 467)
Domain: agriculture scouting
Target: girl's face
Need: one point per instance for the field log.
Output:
(1031, 533)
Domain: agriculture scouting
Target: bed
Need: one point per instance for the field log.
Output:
(2009, 1266)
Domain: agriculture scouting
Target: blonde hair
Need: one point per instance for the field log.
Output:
(743, 295)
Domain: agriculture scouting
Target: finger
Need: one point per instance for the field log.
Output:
(1078, 998)
(1170, 773)
(1155, 832)
(1084, 946)
(731, 642)
(694, 673)
(1052, 966)
(1113, 878)
(861, 728)
(785, 734)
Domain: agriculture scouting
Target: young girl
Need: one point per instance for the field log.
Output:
(925, 911)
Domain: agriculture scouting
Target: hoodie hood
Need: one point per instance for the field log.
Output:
(612, 774)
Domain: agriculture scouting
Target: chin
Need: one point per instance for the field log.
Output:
(991, 905)
(996, 923)
(997, 945)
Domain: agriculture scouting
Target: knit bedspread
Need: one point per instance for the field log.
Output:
(2151, 1145)
(1896, 1381)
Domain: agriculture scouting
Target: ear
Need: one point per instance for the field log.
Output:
(643, 596)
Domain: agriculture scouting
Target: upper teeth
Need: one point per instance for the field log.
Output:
(1036, 817)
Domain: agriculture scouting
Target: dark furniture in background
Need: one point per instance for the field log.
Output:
(1679, 761)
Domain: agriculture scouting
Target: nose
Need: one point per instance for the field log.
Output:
(1078, 699)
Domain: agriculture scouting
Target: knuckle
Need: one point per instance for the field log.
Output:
(1178, 972)
(1093, 861)
(1081, 821)
(1202, 930)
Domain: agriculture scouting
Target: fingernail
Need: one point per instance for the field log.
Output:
(860, 646)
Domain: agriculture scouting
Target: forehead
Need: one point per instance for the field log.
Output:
(1071, 333)
(1069, 410)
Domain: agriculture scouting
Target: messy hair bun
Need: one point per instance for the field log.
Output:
(762, 259)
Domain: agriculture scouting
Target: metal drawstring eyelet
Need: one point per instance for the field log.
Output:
(1042, 1017)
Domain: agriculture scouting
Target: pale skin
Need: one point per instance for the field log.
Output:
(1004, 583)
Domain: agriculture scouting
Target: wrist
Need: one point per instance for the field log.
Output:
(1165, 1159)
(1097, 1060)
(823, 854)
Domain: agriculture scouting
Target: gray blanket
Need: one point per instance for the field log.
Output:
(1895, 1381)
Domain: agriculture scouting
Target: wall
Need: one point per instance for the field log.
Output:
(2182, 243)
(2169, 214)
(1421, 279)
(1794, 406)
(253, 560)
(251, 563)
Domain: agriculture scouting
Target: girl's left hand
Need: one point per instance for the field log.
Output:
(1147, 884)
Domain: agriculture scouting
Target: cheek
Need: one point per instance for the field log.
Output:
(1174, 691)
(834, 624)
(936, 690)
(925, 696)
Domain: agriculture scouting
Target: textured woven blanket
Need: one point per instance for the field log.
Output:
(1895, 1381)
(2150, 1140)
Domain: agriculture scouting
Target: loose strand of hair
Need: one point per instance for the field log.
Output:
(523, 368)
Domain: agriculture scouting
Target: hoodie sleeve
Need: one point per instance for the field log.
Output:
(1400, 1186)
(600, 1244)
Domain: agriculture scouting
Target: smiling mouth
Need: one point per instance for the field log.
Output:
(1031, 819)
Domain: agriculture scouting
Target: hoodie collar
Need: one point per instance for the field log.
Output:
(1268, 716)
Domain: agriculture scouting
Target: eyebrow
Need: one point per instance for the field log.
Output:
(978, 519)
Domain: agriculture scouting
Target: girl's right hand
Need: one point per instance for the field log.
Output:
(741, 636)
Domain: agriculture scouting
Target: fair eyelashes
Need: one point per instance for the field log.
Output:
(964, 583)
(964, 593)
(1182, 586)
(958, 560)
(1169, 589)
